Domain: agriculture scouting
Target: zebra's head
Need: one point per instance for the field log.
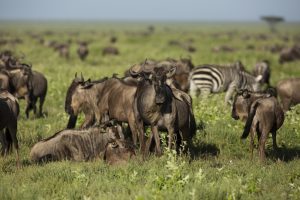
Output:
(250, 82)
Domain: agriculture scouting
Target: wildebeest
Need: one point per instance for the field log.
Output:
(108, 97)
(63, 50)
(83, 50)
(263, 69)
(9, 111)
(223, 48)
(37, 86)
(289, 92)
(110, 50)
(289, 54)
(157, 106)
(83, 145)
(264, 116)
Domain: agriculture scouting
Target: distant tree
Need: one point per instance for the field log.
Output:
(272, 21)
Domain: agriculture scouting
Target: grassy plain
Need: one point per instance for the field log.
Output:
(220, 169)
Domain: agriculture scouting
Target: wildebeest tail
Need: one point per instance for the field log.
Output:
(249, 121)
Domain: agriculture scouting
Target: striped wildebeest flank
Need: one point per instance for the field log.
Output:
(289, 92)
(83, 145)
(263, 68)
(106, 98)
(207, 79)
(160, 107)
(264, 116)
(82, 50)
(9, 111)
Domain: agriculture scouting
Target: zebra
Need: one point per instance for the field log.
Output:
(208, 79)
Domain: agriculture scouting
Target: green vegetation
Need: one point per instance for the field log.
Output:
(221, 167)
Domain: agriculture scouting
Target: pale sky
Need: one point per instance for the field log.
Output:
(199, 10)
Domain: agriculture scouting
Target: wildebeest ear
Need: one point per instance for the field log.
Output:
(87, 84)
(258, 78)
(171, 72)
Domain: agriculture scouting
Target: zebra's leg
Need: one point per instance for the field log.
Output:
(229, 93)
(205, 91)
(193, 89)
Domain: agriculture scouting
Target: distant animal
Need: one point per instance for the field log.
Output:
(289, 92)
(9, 111)
(263, 69)
(63, 50)
(110, 50)
(264, 116)
(289, 54)
(223, 48)
(83, 50)
(208, 79)
(83, 145)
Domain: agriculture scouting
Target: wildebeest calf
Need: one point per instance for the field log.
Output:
(83, 145)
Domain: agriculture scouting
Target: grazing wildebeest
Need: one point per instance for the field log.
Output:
(110, 50)
(154, 103)
(207, 79)
(289, 92)
(289, 54)
(9, 111)
(83, 50)
(264, 115)
(223, 48)
(83, 145)
(263, 69)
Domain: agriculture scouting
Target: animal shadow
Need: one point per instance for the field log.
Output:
(284, 154)
(204, 150)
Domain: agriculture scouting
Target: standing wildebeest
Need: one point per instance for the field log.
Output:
(154, 104)
(263, 69)
(111, 98)
(83, 145)
(264, 116)
(9, 111)
(83, 50)
(63, 50)
(208, 79)
(37, 86)
(289, 92)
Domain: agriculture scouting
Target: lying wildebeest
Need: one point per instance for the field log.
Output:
(289, 54)
(223, 48)
(264, 116)
(110, 50)
(83, 50)
(9, 111)
(289, 92)
(263, 69)
(112, 98)
(83, 145)
(157, 106)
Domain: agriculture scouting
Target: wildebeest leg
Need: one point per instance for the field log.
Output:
(72, 121)
(148, 143)
(286, 103)
(89, 121)
(120, 131)
(42, 100)
(252, 135)
(3, 143)
(275, 147)
(28, 106)
(13, 134)
(262, 143)
(154, 129)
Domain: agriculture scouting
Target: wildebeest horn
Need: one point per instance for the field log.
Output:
(81, 77)
(76, 75)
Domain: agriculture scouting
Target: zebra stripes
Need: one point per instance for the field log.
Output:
(208, 79)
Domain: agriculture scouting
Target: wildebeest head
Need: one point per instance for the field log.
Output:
(118, 151)
(20, 78)
(75, 83)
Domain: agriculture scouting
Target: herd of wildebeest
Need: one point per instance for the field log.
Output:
(154, 93)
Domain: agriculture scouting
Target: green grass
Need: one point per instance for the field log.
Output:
(220, 168)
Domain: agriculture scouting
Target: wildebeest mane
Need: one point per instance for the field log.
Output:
(52, 136)
(100, 80)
